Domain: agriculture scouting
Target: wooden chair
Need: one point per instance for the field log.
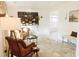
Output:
(19, 48)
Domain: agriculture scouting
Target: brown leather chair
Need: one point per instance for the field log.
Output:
(19, 48)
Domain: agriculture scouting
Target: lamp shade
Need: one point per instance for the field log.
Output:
(10, 23)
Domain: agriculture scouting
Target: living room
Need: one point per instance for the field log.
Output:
(52, 25)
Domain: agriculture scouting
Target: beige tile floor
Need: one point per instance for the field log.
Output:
(51, 48)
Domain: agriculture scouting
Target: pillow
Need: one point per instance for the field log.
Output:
(24, 33)
(22, 43)
(74, 34)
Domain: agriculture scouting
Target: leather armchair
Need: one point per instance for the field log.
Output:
(19, 48)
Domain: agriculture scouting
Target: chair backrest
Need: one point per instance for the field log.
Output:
(13, 46)
(74, 34)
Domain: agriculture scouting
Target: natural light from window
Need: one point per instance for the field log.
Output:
(54, 19)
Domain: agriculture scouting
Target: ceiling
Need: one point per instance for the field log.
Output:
(14, 6)
(41, 3)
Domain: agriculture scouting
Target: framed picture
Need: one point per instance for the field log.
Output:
(74, 16)
(29, 17)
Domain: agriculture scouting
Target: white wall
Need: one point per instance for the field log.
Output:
(66, 27)
(1, 44)
(43, 28)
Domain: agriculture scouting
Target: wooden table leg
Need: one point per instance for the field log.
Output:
(36, 54)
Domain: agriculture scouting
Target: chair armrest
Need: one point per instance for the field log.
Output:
(31, 45)
(27, 50)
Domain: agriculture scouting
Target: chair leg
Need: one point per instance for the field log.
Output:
(8, 53)
(36, 54)
(11, 55)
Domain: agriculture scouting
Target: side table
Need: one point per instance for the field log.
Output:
(33, 37)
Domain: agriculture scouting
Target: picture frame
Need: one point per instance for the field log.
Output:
(29, 17)
(74, 16)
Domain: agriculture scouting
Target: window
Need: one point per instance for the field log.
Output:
(54, 19)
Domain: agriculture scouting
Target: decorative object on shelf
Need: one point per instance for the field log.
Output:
(74, 16)
(3, 8)
(29, 17)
